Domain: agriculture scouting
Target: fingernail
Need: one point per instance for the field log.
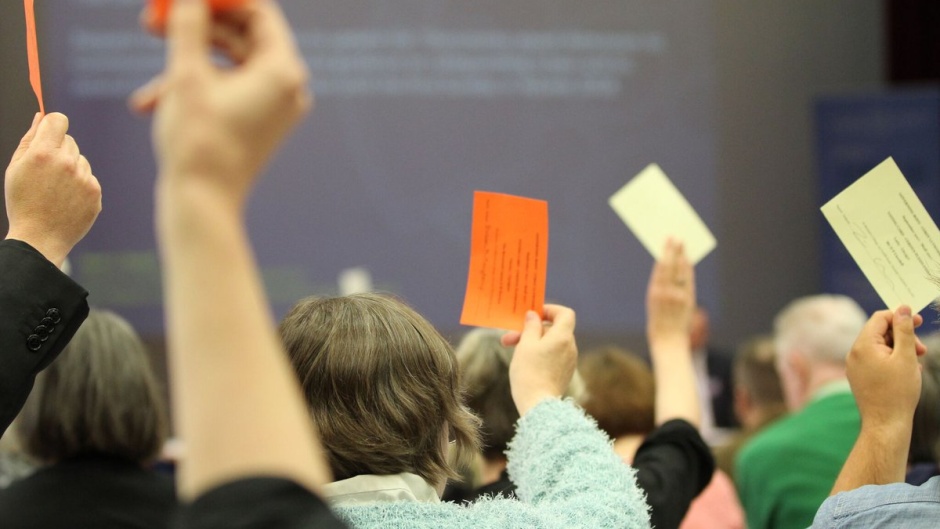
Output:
(904, 311)
(531, 316)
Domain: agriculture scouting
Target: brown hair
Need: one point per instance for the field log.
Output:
(755, 369)
(100, 396)
(381, 384)
(620, 391)
(484, 372)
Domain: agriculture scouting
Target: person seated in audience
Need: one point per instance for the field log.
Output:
(621, 396)
(52, 199)
(758, 397)
(484, 372)
(384, 388)
(253, 458)
(485, 369)
(784, 472)
(95, 419)
(886, 382)
(713, 372)
(924, 455)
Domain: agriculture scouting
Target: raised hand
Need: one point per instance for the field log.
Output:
(545, 357)
(52, 197)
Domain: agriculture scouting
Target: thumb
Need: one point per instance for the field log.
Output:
(532, 328)
(27, 139)
(902, 327)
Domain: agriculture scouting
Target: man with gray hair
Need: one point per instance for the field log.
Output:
(785, 472)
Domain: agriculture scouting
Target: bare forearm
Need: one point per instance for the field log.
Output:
(879, 457)
(676, 392)
(236, 401)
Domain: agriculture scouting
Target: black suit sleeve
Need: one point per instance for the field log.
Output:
(257, 503)
(673, 466)
(40, 310)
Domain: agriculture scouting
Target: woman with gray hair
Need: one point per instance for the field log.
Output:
(96, 418)
(383, 387)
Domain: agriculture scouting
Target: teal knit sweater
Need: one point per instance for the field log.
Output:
(568, 477)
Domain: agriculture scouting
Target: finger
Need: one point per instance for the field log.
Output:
(268, 29)
(27, 138)
(561, 317)
(532, 327)
(918, 320)
(70, 147)
(188, 35)
(919, 347)
(52, 129)
(84, 166)
(510, 339)
(903, 330)
(144, 100)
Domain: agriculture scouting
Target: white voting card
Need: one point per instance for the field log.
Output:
(652, 207)
(889, 233)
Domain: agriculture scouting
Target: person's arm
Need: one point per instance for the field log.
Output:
(670, 301)
(566, 472)
(52, 200)
(237, 403)
(885, 376)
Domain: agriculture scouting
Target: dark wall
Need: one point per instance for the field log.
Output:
(774, 58)
(913, 29)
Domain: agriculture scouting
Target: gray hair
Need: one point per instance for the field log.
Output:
(822, 327)
(100, 396)
(484, 371)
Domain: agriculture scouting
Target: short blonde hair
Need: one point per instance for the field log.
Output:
(381, 385)
(99, 396)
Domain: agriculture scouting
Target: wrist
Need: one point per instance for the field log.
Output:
(54, 251)
(525, 403)
(664, 343)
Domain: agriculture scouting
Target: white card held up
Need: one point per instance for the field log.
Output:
(652, 207)
(889, 233)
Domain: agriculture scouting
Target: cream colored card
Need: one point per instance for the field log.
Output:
(652, 207)
(889, 233)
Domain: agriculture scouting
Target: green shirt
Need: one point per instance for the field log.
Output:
(786, 471)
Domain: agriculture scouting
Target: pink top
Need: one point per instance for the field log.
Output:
(717, 507)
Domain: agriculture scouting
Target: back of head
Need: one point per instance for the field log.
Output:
(925, 436)
(755, 371)
(620, 391)
(822, 328)
(484, 372)
(381, 384)
(100, 396)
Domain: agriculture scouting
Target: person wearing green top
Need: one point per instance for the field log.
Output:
(785, 472)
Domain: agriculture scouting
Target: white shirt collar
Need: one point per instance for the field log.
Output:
(371, 488)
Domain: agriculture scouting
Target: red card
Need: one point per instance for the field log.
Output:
(508, 260)
(160, 9)
(32, 53)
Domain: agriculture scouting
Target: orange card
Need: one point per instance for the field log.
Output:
(508, 260)
(160, 9)
(32, 53)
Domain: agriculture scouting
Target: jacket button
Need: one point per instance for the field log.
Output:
(54, 315)
(47, 322)
(34, 342)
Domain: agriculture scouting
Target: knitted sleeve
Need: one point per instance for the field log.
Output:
(564, 465)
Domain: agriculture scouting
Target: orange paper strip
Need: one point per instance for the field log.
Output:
(160, 9)
(508, 260)
(32, 52)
